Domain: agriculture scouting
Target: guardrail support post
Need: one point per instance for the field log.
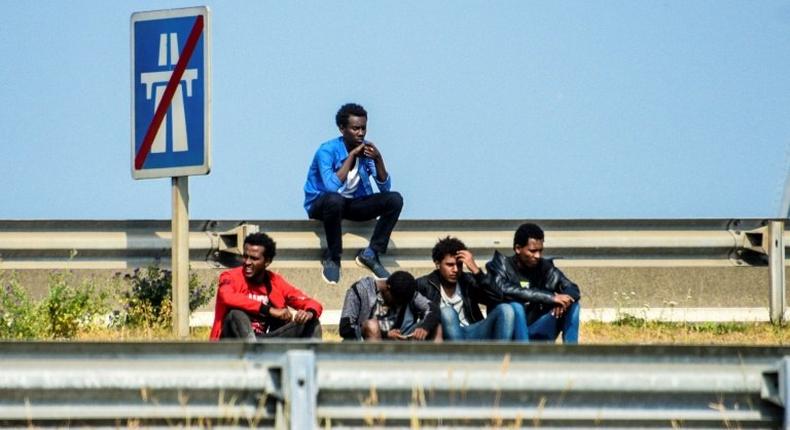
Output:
(776, 265)
(782, 386)
(300, 390)
(230, 243)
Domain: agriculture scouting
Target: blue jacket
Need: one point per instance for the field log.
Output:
(321, 177)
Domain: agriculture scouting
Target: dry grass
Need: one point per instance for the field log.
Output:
(146, 334)
(636, 331)
(630, 331)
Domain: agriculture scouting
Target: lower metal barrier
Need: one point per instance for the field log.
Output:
(390, 385)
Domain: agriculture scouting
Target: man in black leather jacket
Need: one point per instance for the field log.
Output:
(548, 301)
(459, 294)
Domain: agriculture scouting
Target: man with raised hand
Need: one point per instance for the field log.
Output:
(388, 309)
(459, 295)
(545, 301)
(338, 187)
(253, 303)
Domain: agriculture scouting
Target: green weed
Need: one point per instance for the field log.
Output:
(148, 302)
(66, 310)
(19, 317)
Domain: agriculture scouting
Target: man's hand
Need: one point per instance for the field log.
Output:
(420, 334)
(465, 256)
(561, 304)
(283, 314)
(370, 151)
(357, 151)
(302, 316)
(394, 334)
(342, 172)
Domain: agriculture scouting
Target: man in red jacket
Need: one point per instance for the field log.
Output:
(253, 303)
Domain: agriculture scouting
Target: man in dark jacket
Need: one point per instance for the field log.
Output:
(547, 301)
(388, 309)
(459, 295)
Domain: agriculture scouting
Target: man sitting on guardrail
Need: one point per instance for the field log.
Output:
(388, 309)
(338, 187)
(459, 295)
(545, 301)
(253, 303)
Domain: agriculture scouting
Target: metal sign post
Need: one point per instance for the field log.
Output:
(180, 255)
(171, 102)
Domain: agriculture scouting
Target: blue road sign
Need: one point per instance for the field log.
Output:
(170, 93)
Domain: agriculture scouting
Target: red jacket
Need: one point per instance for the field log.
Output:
(235, 292)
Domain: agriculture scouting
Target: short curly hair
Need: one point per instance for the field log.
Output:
(526, 232)
(447, 246)
(263, 239)
(348, 109)
(403, 286)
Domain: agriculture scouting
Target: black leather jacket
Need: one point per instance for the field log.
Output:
(503, 273)
(475, 290)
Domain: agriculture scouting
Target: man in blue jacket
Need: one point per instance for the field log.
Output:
(338, 187)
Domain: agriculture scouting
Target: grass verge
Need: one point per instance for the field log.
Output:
(637, 331)
(629, 331)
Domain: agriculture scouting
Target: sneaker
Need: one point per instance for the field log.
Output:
(369, 259)
(331, 271)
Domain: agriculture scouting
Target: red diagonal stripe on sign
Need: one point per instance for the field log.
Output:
(170, 90)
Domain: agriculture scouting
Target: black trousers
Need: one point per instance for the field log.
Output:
(333, 208)
(237, 325)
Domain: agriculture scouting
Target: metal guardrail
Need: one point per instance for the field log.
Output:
(126, 244)
(592, 243)
(390, 385)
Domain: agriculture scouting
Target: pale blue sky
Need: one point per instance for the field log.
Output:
(482, 109)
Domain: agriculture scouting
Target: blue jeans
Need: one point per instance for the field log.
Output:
(547, 327)
(520, 333)
(498, 325)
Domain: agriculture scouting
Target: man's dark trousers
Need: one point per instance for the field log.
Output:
(237, 325)
(332, 208)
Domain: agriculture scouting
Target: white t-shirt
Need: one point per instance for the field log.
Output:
(456, 302)
(352, 182)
